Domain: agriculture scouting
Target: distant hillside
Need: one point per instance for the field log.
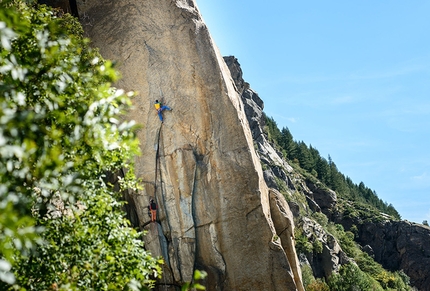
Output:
(325, 170)
(346, 237)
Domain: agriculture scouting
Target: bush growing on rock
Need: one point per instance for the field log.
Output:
(350, 277)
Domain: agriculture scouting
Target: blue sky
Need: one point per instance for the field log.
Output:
(350, 78)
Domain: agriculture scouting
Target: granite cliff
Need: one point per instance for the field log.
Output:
(216, 213)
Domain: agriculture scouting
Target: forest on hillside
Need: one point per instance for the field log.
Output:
(355, 203)
(325, 170)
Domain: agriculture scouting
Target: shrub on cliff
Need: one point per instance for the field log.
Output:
(350, 277)
(61, 224)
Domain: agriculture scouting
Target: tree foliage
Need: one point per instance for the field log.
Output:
(60, 132)
(350, 277)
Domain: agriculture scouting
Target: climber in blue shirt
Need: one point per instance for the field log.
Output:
(159, 107)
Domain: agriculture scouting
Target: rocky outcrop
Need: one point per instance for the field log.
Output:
(331, 257)
(215, 211)
(284, 224)
(324, 197)
(400, 245)
(253, 106)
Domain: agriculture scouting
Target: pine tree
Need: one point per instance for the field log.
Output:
(288, 144)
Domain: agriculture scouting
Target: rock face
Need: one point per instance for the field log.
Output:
(215, 212)
(325, 198)
(331, 257)
(400, 245)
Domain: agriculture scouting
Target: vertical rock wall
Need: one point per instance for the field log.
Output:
(200, 164)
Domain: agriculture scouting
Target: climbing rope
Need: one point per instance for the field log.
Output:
(158, 172)
(157, 152)
(157, 160)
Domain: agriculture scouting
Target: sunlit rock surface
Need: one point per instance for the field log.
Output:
(215, 212)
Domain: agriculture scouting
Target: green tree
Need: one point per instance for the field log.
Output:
(350, 277)
(322, 169)
(272, 130)
(288, 144)
(304, 156)
(60, 132)
(91, 248)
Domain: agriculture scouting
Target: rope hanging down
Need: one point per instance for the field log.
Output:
(157, 152)
(157, 161)
(158, 169)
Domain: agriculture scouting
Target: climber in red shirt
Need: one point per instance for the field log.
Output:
(153, 208)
